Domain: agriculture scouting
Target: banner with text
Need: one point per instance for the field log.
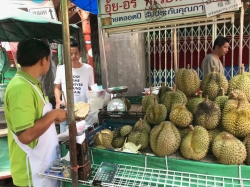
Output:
(218, 7)
(115, 13)
(44, 8)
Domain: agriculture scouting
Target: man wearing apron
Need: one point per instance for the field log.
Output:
(32, 136)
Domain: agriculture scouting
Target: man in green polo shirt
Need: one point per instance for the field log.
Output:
(30, 118)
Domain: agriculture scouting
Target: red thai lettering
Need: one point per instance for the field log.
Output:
(114, 6)
(126, 4)
(133, 2)
(107, 8)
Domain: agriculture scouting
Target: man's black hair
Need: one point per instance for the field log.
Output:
(75, 44)
(220, 41)
(30, 51)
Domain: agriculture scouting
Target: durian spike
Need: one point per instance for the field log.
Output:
(150, 90)
(200, 94)
(191, 127)
(213, 69)
(163, 84)
(242, 69)
(188, 66)
(222, 92)
(206, 98)
(174, 88)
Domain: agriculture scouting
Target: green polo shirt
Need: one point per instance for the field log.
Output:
(22, 107)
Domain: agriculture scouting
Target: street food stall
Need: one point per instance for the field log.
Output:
(126, 149)
(170, 157)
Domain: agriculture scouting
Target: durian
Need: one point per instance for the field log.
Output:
(228, 149)
(165, 139)
(208, 114)
(156, 113)
(125, 130)
(212, 83)
(163, 89)
(246, 142)
(195, 144)
(148, 100)
(103, 138)
(221, 100)
(145, 125)
(118, 142)
(139, 137)
(172, 98)
(240, 82)
(180, 116)
(193, 103)
(236, 119)
(187, 81)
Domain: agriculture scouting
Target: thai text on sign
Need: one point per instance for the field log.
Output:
(126, 12)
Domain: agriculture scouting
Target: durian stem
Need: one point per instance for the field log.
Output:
(222, 92)
(242, 69)
(238, 105)
(191, 127)
(200, 94)
(188, 66)
(140, 126)
(227, 136)
(145, 117)
(155, 101)
(150, 90)
(163, 84)
(213, 69)
(174, 88)
(206, 98)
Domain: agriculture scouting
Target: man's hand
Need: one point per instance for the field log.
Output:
(61, 115)
(58, 103)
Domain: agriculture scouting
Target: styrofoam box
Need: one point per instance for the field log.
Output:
(96, 94)
(96, 104)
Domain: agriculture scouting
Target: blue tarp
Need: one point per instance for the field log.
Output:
(87, 5)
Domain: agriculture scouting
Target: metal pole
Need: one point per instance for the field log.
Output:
(175, 52)
(241, 35)
(69, 91)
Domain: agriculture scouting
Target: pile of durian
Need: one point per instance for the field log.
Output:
(216, 121)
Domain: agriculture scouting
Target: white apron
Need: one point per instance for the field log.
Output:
(44, 153)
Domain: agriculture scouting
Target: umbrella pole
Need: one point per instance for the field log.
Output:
(69, 91)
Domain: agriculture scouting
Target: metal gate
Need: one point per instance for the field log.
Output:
(193, 43)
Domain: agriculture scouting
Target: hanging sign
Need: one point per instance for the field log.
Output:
(217, 7)
(115, 13)
(44, 8)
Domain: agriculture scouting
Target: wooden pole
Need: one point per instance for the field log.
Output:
(69, 92)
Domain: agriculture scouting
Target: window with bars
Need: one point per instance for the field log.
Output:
(193, 43)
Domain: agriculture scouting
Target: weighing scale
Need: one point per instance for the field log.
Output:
(118, 103)
(105, 173)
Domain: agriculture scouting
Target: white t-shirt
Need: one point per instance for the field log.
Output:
(82, 78)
